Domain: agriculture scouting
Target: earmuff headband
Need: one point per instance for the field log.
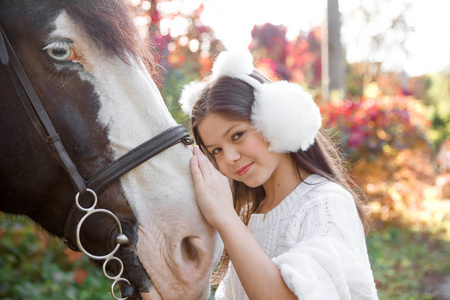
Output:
(282, 112)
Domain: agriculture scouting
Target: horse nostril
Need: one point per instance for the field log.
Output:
(188, 249)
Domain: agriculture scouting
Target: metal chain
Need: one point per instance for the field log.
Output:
(121, 239)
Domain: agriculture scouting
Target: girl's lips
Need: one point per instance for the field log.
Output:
(242, 171)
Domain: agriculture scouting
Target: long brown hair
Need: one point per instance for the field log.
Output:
(233, 99)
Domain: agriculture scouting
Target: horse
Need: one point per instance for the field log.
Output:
(93, 76)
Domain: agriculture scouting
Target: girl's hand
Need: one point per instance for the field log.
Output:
(260, 278)
(212, 190)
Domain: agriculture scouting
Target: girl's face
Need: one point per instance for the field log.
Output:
(241, 153)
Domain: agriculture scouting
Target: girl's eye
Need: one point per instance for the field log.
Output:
(216, 151)
(61, 50)
(237, 136)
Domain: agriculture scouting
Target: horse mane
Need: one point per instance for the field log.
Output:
(110, 24)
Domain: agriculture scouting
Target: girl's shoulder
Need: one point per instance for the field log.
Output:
(319, 193)
(318, 187)
(327, 209)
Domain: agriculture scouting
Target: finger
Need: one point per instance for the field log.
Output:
(195, 170)
(205, 165)
(197, 150)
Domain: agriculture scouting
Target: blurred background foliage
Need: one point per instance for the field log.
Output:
(394, 132)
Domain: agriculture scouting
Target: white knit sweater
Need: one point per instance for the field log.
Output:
(316, 239)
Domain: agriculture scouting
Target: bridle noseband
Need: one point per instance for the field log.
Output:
(46, 130)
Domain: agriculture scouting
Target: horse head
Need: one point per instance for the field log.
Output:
(90, 69)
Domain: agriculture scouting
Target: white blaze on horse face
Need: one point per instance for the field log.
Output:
(159, 191)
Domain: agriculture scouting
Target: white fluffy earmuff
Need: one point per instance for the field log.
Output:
(286, 116)
(189, 95)
(233, 64)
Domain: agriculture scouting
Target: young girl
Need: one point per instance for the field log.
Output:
(291, 225)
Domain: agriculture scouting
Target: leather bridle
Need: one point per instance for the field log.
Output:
(46, 130)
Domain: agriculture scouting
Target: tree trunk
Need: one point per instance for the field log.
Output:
(336, 60)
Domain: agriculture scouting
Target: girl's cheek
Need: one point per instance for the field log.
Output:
(220, 166)
(253, 148)
(224, 170)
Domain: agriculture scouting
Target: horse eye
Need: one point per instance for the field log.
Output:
(61, 51)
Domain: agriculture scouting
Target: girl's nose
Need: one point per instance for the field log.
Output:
(232, 156)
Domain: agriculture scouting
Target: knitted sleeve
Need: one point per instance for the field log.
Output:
(330, 260)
